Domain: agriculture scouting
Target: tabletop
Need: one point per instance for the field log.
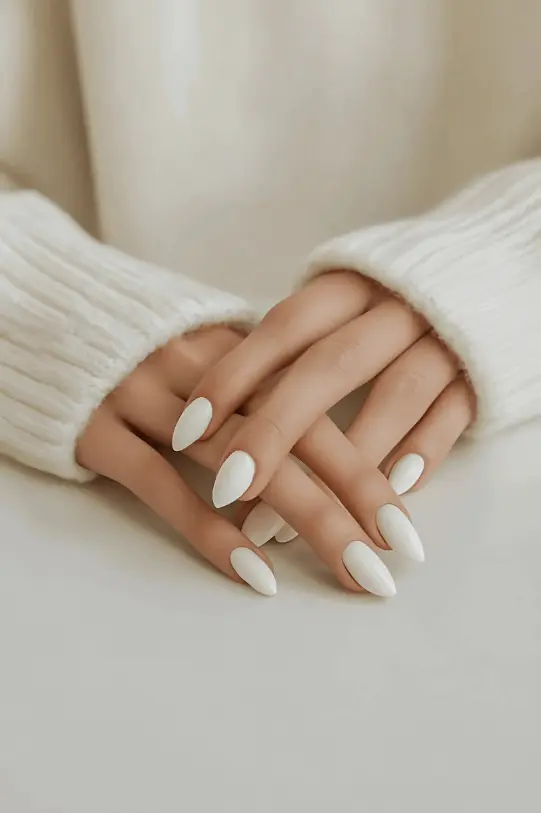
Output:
(134, 679)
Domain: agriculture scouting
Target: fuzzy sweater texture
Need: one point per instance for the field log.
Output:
(163, 153)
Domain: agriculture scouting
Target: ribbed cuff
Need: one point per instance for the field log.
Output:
(76, 317)
(472, 267)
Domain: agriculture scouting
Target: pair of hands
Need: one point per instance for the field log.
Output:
(311, 350)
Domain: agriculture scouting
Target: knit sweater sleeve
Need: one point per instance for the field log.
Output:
(472, 267)
(76, 317)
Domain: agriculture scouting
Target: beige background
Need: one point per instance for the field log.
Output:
(228, 139)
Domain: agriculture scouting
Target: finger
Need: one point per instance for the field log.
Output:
(144, 402)
(143, 471)
(400, 396)
(182, 360)
(329, 529)
(362, 489)
(153, 410)
(154, 414)
(259, 522)
(285, 332)
(291, 491)
(146, 405)
(327, 372)
(429, 443)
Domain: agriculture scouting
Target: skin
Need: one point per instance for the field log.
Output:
(312, 349)
(338, 333)
(122, 443)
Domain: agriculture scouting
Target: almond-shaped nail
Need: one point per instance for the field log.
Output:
(286, 534)
(368, 570)
(261, 524)
(192, 424)
(399, 533)
(234, 478)
(405, 472)
(253, 570)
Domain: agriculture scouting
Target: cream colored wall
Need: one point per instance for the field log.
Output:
(42, 139)
(230, 138)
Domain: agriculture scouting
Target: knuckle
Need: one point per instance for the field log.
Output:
(270, 429)
(280, 319)
(406, 385)
(124, 392)
(173, 353)
(183, 360)
(323, 521)
(338, 355)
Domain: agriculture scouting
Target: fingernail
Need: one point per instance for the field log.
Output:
(233, 479)
(253, 570)
(286, 534)
(405, 472)
(368, 570)
(193, 423)
(399, 533)
(261, 524)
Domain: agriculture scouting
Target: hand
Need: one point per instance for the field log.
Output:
(144, 409)
(338, 333)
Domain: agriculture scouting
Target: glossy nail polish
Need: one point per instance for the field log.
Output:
(253, 570)
(233, 479)
(405, 472)
(261, 524)
(399, 533)
(286, 534)
(368, 570)
(193, 423)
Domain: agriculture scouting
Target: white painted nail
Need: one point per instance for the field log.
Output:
(399, 533)
(261, 524)
(233, 479)
(253, 570)
(286, 534)
(193, 423)
(368, 570)
(405, 472)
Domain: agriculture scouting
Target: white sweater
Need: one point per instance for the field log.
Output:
(225, 141)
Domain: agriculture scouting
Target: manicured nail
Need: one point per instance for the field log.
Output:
(261, 524)
(286, 534)
(399, 533)
(193, 423)
(405, 472)
(368, 570)
(233, 479)
(253, 570)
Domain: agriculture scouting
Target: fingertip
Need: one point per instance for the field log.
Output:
(192, 424)
(233, 479)
(368, 570)
(286, 534)
(261, 524)
(406, 472)
(254, 571)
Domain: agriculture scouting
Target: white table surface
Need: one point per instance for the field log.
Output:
(134, 679)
